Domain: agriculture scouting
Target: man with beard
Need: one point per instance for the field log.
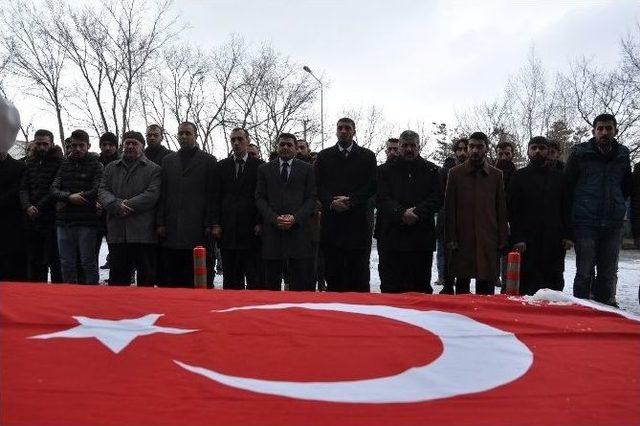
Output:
(184, 218)
(346, 179)
(476, 223)
(108, 153)
(459, 157)
(286, 199)
(129, 193)
(38, 204)
(391, 152)
(75, 190)
(236, 223)
(598, 174)
(409, 195)
(553, 157)
(155, 151)
(539, 222)
(302, 151)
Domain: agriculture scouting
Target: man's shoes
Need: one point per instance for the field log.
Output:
(106, 265)
(447, 290)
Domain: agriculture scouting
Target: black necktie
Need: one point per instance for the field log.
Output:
(283, 173)
(239, 168)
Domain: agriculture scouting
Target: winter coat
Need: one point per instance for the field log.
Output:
(354, 177)
(402, 185)
(598, 184)
(11, 217)
(185, 200)
(635, 202)
(105, 160)
(296, 196)
(77, 175)
(138, 185)
(476, 220)
(35, 188)
(447, 165)
(157, 153)
(538, 215)
(234, 204)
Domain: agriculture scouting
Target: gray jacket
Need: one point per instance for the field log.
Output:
(139, 185)
(296, 196)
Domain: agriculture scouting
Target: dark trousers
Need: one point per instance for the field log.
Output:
(177, 265)
(300, 274)
(346, 270)
(318, 266)
(408, 271)
(238, 265)
(599, 248)
(383, 270)
(127, 257)
(74, 242)
(13, 266)
(482, 286)
(42, 255)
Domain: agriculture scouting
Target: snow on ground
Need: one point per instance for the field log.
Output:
(627, 291)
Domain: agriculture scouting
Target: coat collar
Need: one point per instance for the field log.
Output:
(469, 168)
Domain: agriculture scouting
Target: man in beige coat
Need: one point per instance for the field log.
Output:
(476, 224)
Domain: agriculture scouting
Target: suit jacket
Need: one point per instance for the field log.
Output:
(355, 177)
(185, 202)
(402, 185)
(476, 219)
(296, 196)
(234, 206)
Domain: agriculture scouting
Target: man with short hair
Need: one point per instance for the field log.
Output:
(302, 151)
(75, 190)
(598, 174)
(129, 192)
(553, 156)
(155, 151)
(346, 180)
(391, 152)
(236, 222)
(539, 221)
(108, 153)
(476, 222)
(459, 148)
(285, 197)
(38, 204)
(254, 152)
(184, 211)
(409, 195)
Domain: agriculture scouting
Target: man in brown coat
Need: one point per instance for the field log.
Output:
(476, 224)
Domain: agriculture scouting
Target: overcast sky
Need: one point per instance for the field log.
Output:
(418, 60)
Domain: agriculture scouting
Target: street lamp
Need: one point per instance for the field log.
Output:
(307, 69)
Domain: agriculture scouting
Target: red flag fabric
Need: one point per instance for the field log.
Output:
(89, 355)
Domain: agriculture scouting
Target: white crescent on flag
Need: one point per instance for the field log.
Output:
(503, 357)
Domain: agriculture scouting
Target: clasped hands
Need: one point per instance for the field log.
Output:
(341, 203)
(285, 221)
(409, 217)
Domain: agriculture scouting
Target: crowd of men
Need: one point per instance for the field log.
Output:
(307, 220)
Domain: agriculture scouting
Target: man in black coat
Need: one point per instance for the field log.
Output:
(75, 191)
(346, 180)
(155, 151)
(553, 157)
(236, 222)
(37, 203)
(13, 266)
(538, 214)
(391, 151)
(286, 198)
(108, 154)
(409, 195)
(184, 215)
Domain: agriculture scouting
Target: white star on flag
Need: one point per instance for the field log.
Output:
(114, 334)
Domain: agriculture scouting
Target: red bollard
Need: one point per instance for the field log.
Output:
(199, 267)
(513, 273)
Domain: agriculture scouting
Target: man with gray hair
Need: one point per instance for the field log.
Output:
(409, 195)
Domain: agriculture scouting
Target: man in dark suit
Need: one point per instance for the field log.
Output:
(184, 216)
(236, 223)
(409, 195)
(286, 196)
(346, 179)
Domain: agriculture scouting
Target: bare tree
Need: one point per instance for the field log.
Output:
(35, 57)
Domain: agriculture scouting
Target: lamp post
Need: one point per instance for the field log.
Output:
(307, 69)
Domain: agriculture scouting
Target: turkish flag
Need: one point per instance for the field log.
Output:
(92, 355)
